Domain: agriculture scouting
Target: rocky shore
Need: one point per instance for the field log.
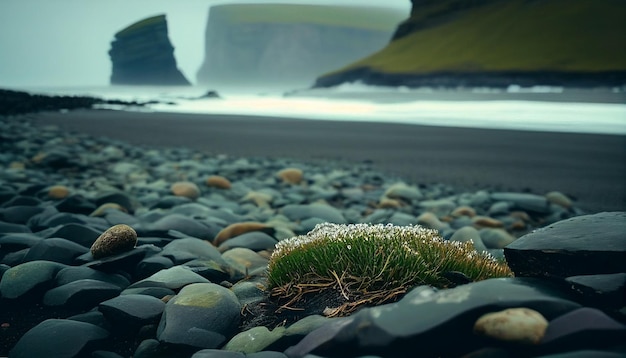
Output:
(191, 284)
(19, 102)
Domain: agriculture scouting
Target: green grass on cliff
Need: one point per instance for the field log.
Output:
(371, 18)
(513, 35)
(142, 23)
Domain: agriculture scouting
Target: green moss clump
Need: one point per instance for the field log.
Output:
(371, 264)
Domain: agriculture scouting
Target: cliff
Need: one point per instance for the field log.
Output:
(452, 43)
(142, 54)
(284, 43)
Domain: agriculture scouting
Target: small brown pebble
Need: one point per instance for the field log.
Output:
(186, 189)
(236, 229)
(115, 240)
(517, 225)
(291, 175)
(463, 211)
(388, 203)
(558, 198)
(485, 221)
(39, 157)
(100, 211)
(258, 198)
(520, 215)
(58, 192)
(217, 181)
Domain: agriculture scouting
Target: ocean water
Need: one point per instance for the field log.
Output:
(536, 109)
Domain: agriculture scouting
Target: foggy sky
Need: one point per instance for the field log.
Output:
(66, 42)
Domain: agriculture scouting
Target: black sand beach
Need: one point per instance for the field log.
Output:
(590, 168)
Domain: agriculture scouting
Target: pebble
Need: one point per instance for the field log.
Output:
(468, 233)
(496, 238)
(217, 181)
(186, 189)
(212, 310)
(558, 198)
(291, 175)
(404, 192)
(61, 338)
(519, 325)
(115, 240)
(430, 220)
(58, 192)
(463, 211)
(236, 229)
(194, 273)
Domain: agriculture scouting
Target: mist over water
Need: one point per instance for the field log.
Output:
(536, 109)
(73, 60)
(66, 42)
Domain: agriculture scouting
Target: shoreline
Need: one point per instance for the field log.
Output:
(591, 168)
(383, 94)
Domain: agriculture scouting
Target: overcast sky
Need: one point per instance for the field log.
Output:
(66, 42)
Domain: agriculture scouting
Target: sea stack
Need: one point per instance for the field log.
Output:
(142, 54)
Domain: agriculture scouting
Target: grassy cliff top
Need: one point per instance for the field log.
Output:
(372, 18)
(141, 24)
(512, 35)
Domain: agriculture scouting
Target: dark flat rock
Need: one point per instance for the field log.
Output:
(584, 328)
(59, 338)
(29, 277)
(78, 233)
(57, 250)
(424, 315)
(19, 214)
(74, 273)
(132, 310)
(601, 291)
(255, 241)
(125, 261)
(6, 227)
(81, 294)
(14, 242)
(582, 245)
(524, 201)
(175, 222)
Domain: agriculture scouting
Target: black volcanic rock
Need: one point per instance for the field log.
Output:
(19, 102)
(583, 245)
(142, 54)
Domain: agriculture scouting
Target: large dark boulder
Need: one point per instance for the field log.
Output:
(583, 245)
(142, 54)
